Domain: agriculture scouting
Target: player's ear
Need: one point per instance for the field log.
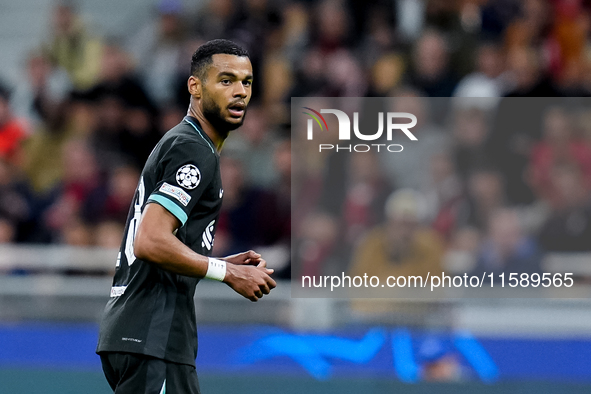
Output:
(194, 86)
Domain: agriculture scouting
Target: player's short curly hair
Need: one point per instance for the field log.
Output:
(201, 59)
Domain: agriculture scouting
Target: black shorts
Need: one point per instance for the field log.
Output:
(129, 373)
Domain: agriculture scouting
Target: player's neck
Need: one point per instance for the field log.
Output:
(214, 135)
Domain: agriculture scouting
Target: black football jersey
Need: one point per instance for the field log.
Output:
(151, 311)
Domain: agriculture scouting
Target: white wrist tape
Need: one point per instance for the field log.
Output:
(216, 269)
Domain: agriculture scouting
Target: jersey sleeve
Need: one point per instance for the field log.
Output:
(187, 169)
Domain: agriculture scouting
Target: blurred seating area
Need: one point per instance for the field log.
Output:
(90, 103)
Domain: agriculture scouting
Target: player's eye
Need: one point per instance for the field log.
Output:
(247, 83)
(225, 81)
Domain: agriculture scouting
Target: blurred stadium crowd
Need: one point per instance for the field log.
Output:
(74, 136)
(491, 185)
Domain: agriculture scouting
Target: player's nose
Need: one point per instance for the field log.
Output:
(240, 90)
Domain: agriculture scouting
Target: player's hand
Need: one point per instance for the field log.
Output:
(249, 281)
(251, 257)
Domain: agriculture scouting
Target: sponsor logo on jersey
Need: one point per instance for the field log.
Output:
(188, 176)
(182, 196)
(208, 236)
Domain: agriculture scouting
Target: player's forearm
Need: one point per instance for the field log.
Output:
(169, 253)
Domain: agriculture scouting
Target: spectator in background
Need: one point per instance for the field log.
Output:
(497, 15)
(42, 161)
(567, 44)
(317, 236)
(353, 190)
(470, 128)
(332, 29)
(506, 248)
(489, 79)
(117, 78)
(329, 68)
(276, 83)
(109, 127)
(386, 75)
(41, 90)
(83, 116)
(214, 19)
(126, 113)
(72, 48)
(445, 195)
(356, 187)
(559, 145)
(486, 195)
(516, 128)
(403, 246)
(528, 75)
(257, 25)
(282, 163)
(256, 142)
(460, 22)
(410, 168)
(530, 25)
(366, 191)
(75, 232)
(462, 251)
(156, 49)
(310, 180)
(282, 187)
(283, 49)
(246, 207)
(344, 75)
(108, 234)
(568, 228)
(111, 203)
(309, 75)
(12, 130)
(430, 71)
(7, 231)
(569, 30)
(139, 135)
(375, 23)
(16, 204)
(81, 180)
(296, 30)
(74, 118)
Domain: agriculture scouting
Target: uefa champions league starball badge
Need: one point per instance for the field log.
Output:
(188, 176)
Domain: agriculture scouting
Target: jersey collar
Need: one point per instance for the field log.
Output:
(195, 123)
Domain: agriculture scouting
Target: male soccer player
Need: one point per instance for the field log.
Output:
(148, 338)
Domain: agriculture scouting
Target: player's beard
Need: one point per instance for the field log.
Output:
(213, 113)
